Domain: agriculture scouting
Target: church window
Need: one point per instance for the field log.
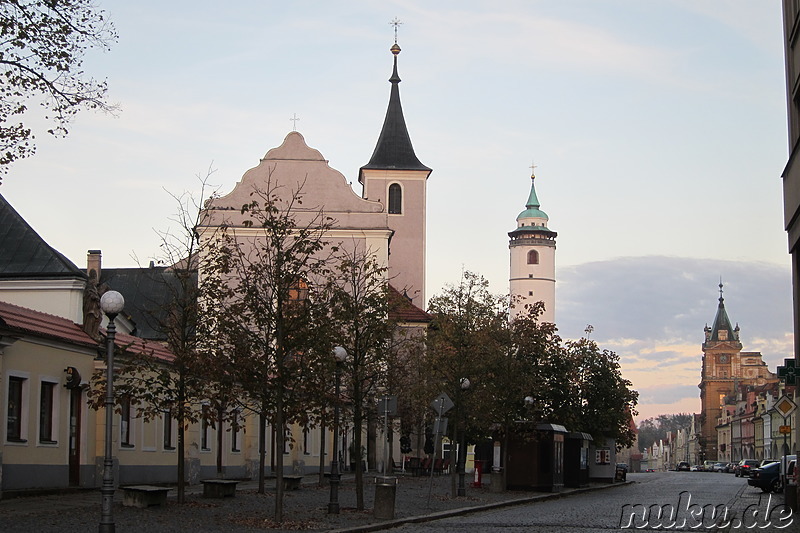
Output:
(530, 293)
(533, 257)
(395, 199)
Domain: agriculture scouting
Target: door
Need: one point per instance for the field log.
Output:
(75, 405)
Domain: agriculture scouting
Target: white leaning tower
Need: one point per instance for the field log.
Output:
(533, 260)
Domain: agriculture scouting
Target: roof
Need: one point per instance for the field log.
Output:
(722, 322)
(24, 254)
(402, 310)
(21, 320)
(533, 205)
(148, 292)
(29, 322)
(394, 150)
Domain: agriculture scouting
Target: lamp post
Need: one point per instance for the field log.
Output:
(462, 452)
(111, 303)
(340, 355)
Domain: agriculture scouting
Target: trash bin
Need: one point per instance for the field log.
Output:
(385, 492)
(496, 481)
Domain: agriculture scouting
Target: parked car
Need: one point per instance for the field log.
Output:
(745, 466)
(731, 468)
(767, 478)
(718, 467)
(696, 468)
(684, 466)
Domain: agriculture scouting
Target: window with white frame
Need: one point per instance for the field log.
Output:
(235, 420)
(125, 423)
(16, 421)
(205, 442)
(47, 412)
(168, 425)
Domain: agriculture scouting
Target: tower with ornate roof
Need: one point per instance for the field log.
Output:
(396, 178)
(725, 367)
(532, 248)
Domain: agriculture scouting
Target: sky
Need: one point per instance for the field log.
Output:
(658, 131)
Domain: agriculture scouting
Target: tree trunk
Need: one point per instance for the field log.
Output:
(181, 440)
(220, 413)
(322, 453)
(357, 423)
(280, 431)
(262, 445)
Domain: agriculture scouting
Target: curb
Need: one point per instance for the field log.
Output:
(389, 524)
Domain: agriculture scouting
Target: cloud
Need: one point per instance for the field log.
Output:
(651, 311)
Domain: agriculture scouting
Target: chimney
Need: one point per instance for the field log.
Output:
(93, 259)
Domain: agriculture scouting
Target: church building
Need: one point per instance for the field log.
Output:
(532, 248)
(725, 368)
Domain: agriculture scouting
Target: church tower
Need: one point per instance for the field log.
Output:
(533, 259)
(725, 367)
(396, 178)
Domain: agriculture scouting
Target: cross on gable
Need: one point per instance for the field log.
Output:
(788, 372)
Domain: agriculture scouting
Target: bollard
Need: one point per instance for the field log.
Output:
(385, 492)
(496, 482)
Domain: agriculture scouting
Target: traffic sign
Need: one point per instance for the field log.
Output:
(785, 406)
(442, 404)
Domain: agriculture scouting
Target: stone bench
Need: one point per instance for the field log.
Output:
(219, 488)
(291, 482)
(144, 496)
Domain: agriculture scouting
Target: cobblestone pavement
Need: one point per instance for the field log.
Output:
(304, 509)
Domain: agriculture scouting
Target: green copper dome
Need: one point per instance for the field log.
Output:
(533, 205)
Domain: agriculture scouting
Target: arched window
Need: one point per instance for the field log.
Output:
(533, 257)
(395, 199)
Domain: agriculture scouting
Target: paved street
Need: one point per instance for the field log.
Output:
(601, 510)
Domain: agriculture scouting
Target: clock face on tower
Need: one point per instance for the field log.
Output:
(723, 358)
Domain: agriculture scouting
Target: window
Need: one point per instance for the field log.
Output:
(14, 430)
(533, 257)
(125, 423)
(46, 410)
(204, 423)
(306, 443)
(530, 293)
(235, 431)
(395, 199)
(168, 430)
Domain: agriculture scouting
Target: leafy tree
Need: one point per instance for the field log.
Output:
(528, 379)
(357, 296)
(42, 45)
(607, 403)
(259, 310)
(657, 428)
(462, 345)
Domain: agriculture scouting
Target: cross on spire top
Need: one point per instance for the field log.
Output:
(533, 169)
(395, 22)
(294, 120)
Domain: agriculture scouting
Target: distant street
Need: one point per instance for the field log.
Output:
(602, 510)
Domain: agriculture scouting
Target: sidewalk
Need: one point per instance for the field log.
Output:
(304, 509)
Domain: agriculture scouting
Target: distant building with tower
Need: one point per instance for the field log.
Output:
(532, 250)
(725, 369)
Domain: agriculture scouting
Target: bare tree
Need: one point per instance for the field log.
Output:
(42, 44)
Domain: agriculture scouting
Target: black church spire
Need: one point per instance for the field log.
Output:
(394, 150)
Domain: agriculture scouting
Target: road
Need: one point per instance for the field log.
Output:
(736, 506)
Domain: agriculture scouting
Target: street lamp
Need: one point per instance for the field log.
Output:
(111, 303)
(340, 356)
(462, 452)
